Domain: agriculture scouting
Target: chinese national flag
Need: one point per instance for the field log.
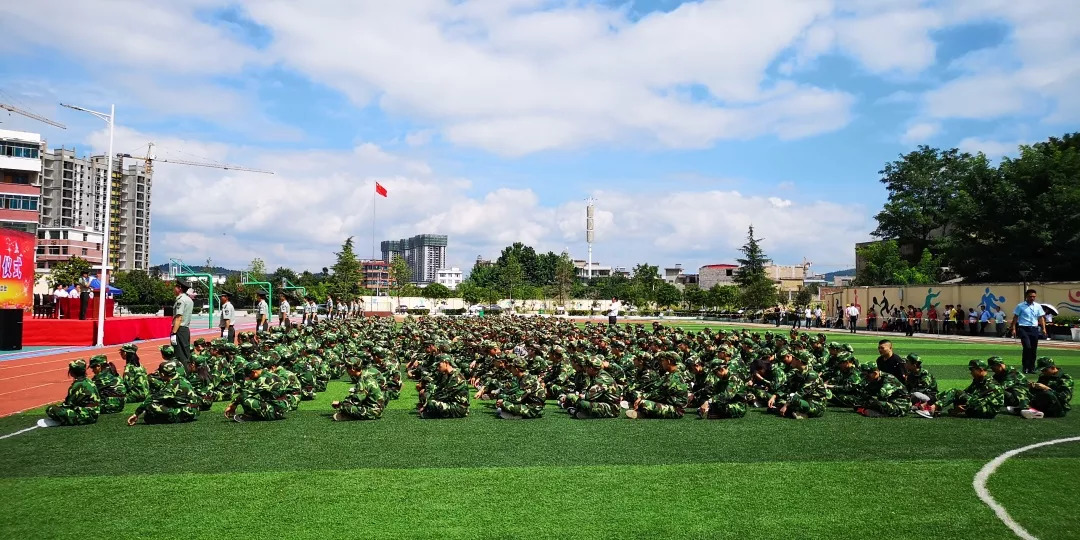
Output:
(379, 189)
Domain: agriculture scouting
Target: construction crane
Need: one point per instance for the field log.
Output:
(28, 114)
(151, 158)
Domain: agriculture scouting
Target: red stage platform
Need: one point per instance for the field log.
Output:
(76, 332)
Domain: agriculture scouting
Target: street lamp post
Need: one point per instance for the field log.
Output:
(103, 277)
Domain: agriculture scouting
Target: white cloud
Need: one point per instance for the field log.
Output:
(992, 149)
(920, 132)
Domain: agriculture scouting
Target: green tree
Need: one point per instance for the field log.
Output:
(694, 297)
(68, 272)
(648, 278)
(470, 293)
(257, 270)
(525, 257)
(882, 265)
(756, 289)
(803, 297)
(759, 295)
(344, 283)
(547, 272)
(208, 268)
(723, 297)
(401, 275)
(920, 185)
(512, 274)
(667, 295)
(282, 274)
(565, 278)
(436, 291)
(486, 275)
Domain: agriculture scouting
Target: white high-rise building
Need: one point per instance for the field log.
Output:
(20, 180)
(424, 253)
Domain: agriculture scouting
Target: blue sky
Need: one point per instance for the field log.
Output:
(492, 120)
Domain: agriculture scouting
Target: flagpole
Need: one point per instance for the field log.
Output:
(373, 194)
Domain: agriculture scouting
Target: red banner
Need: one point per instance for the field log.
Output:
(16, 269)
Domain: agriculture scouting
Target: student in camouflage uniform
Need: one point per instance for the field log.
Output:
(921, 385)
(201, 381)
(134, 374)
(524, 398)
(292, 389)
(598, 398)
(845, 381)
(1051, 394)
(803, 394)
(1012, 383)
(447, 395)
(172, 402)
(110, 387)
(725, 393)
(366, 400)
(983, 398)
(82, 404)
(669, 398)
(765, 379)
(262, 396)
(881, 394)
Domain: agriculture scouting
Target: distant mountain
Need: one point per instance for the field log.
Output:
(217, 270)
(829, 277)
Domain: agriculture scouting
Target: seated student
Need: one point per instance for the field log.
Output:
(172, 400)
(888, 361)
(524, 397)
(844, 382)
(1012, 382)
(881, 394)
(764, 381)
(921, 385)
(366, 400)
(803, 394)
(983, 398)
(724, 394)
(201, 381)
(262, 396)
(668, 398)
(82, 404)
(135, 381)
(1051, 394)
(596, 395)
(448, 393)
(109, 385)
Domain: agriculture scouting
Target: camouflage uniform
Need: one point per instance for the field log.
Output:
(366, 399)
(726, 396)
(1012, 383)
(669, 398)
(886, 394)
(110, 387)
(845, 384)
(134, 375)
(598, 399)
(1055, 401)
(804, 393)
(262, 398)
(525, 396)
(448, 395)
(983, 398)
(173, 400)
(82, 403)
(922, 381)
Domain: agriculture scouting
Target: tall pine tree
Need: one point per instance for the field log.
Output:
(345, 281)
(756, 289)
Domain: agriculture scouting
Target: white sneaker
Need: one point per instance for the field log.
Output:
(47, 422)
(923, 413)
(630, 413)
(624, 404)
(1010, 409)
(1031, 414)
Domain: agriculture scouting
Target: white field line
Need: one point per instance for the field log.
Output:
(18, 432)
(984, 474)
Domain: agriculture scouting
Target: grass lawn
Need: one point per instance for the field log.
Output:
(842, 476)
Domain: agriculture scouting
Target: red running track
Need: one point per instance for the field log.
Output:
(29, 383)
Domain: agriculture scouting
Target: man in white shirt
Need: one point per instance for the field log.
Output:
(227, 314)
(853, 317)
(817, 315)
(284, 311)
(613, 312)
(809, 316)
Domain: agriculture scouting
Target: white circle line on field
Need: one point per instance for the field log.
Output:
(984, 474)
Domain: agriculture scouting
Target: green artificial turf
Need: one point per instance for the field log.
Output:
(842, 476)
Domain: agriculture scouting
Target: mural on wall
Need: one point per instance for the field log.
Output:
(991, 301)
(1073, 304)
(930, 296)
(883, 306)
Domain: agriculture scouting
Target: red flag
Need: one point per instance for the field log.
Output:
(379, 189)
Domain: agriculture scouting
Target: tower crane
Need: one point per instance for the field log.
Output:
(28, 114)
(151, 158)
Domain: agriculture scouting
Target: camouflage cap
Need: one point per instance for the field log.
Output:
(445, 358)
(914, 359)
(167, 351)
(199, 341)
(1044, 362)
(868, 367)
(252, 366)
(976, 363)
(594, 361)
(77, 365)
(130, 348)
(519, 362)
(168, 368)
(834, 345)
(98, 360)
(272, 358)
(847, 348)
(718, 363)
(995, 361)
(783, 352)
(804, 357)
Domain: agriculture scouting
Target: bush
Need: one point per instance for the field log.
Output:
(578, 312)
(1068, 320)
(456, 311)
(419, 311)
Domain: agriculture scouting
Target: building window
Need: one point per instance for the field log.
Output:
(84, 251)
(54, 250)
(729, 272)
